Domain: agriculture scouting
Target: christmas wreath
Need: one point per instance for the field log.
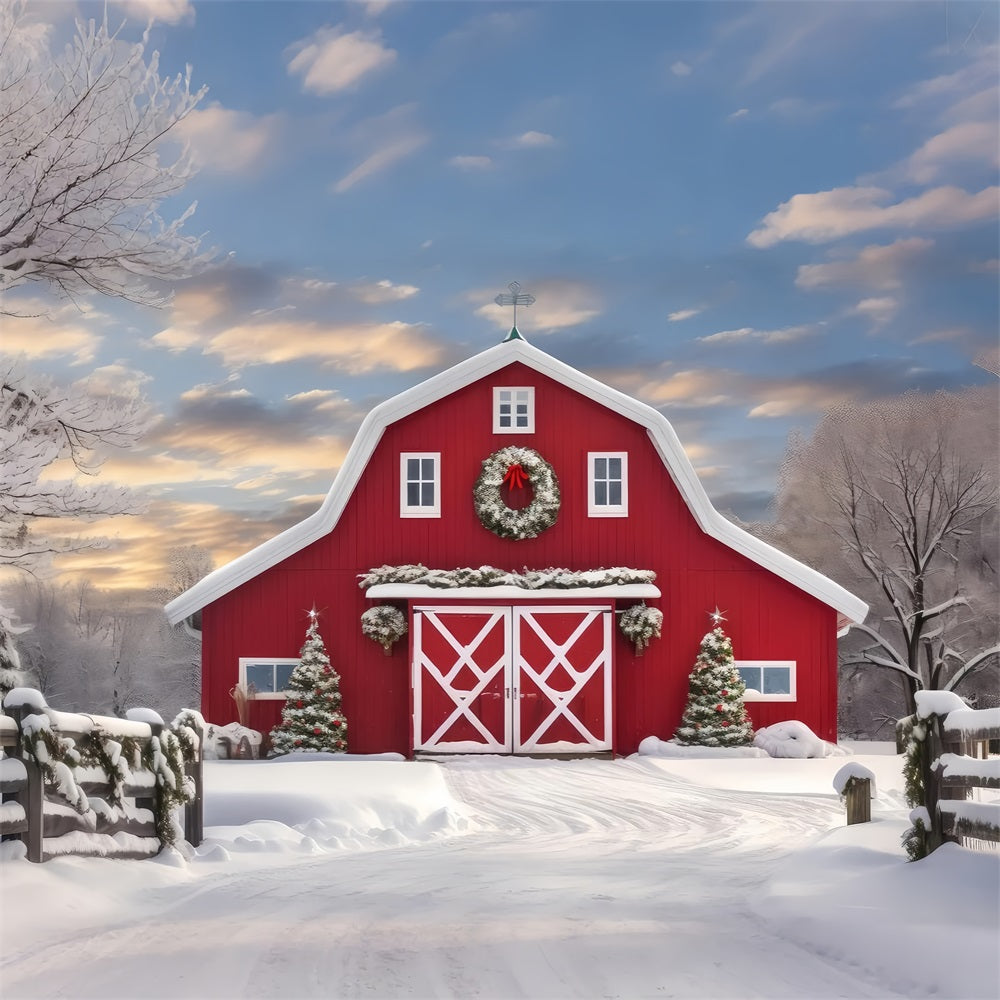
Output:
(384, 624)
(640, 624)
(516, 467)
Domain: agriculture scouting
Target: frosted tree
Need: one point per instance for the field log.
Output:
(45, 426)
(715, 715)
(898, 500)
(311, 718)
(83, 163)
(11, 674)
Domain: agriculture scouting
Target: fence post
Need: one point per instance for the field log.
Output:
(33, 797)
(858, 796)
(194, 811)
(149, 802)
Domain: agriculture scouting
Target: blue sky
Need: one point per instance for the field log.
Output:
(740, 213)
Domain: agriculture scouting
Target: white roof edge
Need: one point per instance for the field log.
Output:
(297, 537)
(401, 591)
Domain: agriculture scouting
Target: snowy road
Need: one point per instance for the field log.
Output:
(578, 879)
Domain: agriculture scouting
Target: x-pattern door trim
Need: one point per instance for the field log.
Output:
(559, 657)
(463, 700)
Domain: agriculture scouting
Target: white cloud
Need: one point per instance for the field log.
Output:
(682, 314)
(968, 142)
(559, 303)
(991, 266)
(740, 113)
(471, 162)
(50, 335)
(166, 11)
(880, 310)
(380, 292)
(331, 60)
(392, 152)
(875, 266)
(227, 141)
(532, 140)
(681, 68)
(745, 334)
(830, 215)
(971, 78)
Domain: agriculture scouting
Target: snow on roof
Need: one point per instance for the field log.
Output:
(219, 583)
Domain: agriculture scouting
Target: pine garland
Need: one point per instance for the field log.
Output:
(490, 576)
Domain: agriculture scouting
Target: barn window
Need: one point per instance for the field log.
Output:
(513, 410)
(420, 484)
(768, 680)
(607, 484)
(266, 677)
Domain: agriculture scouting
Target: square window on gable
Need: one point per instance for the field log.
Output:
(513, 409)
(420, 484)
(607, 484)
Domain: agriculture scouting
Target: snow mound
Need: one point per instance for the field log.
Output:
(652, 746)
(793, 739)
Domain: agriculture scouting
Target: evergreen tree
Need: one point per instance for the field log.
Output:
(311, 719)
(715, 715)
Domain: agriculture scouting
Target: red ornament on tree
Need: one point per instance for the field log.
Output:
(317, 730)
(725, 693)
(718, 708)
(298, 704)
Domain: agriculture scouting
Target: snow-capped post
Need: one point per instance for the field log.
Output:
(715, 715)
(384, 624)
(311, 719)
(855, 785)
(641, 624)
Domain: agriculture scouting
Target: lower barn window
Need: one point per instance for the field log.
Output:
(268, 678)
(768, 680)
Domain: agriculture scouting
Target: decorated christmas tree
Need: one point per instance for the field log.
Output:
(715, 715)
(311, 719)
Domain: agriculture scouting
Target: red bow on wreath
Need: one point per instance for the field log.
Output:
(515, 477)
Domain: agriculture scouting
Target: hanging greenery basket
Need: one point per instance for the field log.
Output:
(516, 467)
(641, 624)
(384, 624)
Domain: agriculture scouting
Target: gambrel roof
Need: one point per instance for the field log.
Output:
(515, 349)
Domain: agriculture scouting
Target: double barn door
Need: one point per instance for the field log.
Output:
(512, 679)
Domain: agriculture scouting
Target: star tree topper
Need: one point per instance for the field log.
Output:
(717, 616)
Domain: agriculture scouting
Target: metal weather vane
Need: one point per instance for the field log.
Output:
(514, 297)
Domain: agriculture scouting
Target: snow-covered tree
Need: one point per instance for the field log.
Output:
(83, 164)
(897, 499)
(11, 674)
(43, 427)
(715, 715)
(311, 718)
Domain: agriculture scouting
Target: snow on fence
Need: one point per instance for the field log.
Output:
(947, 759)
(97, 785)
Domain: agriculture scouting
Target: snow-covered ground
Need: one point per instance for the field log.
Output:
(500, 877)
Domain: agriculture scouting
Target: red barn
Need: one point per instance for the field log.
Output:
(517, 461)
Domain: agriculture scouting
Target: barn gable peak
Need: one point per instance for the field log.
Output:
(513, 348)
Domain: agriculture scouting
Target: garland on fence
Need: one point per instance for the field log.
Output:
(489, 576)
(516, 467)
(166, 756)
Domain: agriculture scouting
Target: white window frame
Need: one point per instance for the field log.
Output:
(246, 661)
(529, 400)
(606, 510)
(754, 695)
(407, 510)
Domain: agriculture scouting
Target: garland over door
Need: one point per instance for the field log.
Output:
(522, 680)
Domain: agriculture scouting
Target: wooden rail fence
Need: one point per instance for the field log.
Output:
(94, 820)
(948, 751)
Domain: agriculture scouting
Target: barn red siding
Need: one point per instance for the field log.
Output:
(767, 617)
